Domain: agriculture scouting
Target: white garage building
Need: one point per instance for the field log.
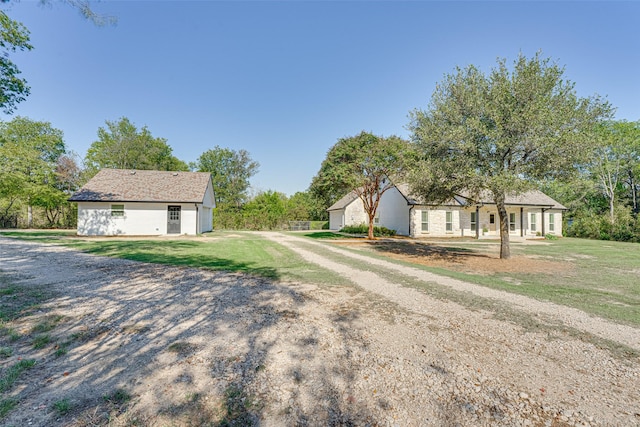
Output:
(119, 202)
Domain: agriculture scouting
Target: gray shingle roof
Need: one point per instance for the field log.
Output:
(528, 198)
(344, 202)
(126, 185)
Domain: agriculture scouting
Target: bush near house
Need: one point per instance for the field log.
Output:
(364, 229)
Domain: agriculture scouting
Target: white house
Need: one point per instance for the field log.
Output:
(145, 203)
(531, 213)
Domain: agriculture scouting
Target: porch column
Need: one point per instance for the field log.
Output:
(477, 222)
(542, 210)
(521, 222)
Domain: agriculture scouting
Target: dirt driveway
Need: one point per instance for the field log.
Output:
(156, 345)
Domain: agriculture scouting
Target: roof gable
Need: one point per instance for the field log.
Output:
(126, 185)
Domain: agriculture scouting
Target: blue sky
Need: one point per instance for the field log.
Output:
(285, 80)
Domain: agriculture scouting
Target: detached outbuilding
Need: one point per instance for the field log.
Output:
(145, 203)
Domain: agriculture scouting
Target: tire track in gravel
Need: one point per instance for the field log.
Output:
(419, 302)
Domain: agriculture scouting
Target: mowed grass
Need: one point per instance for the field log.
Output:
(228, 251)
(598, 277)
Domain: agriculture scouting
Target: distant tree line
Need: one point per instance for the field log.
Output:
(38, 174)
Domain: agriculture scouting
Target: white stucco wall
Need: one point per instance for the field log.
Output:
(336, 219)
(393, 212)
(354, 213)
(139, 219)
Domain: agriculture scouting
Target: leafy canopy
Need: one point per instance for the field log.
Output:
(501, 132)
(122, 146)
(230, 173)
(364, 164)
(13, 37)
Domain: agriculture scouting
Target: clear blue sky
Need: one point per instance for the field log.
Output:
(285, 80)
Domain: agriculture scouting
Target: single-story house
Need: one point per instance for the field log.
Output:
(145, 203)
(530, 213)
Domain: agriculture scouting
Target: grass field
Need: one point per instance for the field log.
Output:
(228, 251)
(600, 277)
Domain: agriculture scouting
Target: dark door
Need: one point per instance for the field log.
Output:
(173, 222)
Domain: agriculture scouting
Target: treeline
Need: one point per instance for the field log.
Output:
(38, 173)
(603, 200)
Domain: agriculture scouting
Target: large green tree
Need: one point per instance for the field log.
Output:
(13, 37)
(29, 154)
(121, 145)
(230, 173)
(500, 133)
(365, 164)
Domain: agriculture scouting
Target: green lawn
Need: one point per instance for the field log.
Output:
(228, 251)
(601, 277)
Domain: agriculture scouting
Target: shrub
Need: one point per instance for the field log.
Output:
(364, 229)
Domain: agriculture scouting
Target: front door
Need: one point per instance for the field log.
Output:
(173, 222)
(492, 223)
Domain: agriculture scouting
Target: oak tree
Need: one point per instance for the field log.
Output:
(499, 133)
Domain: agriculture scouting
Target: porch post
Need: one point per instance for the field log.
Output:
(521, 222)
(542, 210)
(477, 222)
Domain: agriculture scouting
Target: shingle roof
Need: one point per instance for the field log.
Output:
(126, 185)
(528, 198)
(344, 202)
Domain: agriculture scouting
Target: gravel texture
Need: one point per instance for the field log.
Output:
(195, 347)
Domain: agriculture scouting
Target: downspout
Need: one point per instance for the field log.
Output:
(410, 209)
(197, 219)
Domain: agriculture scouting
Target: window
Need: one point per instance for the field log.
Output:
(376, 219)
(117, 210)
(512, 221)
(425, 221)
(474, 221)
(449, 221)
(492, 218)
(533, 222)
(552, 222)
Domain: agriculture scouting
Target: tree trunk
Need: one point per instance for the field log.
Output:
(634, 192)
(611, 210)
(371, 219)
(29, 215)
(505, 249)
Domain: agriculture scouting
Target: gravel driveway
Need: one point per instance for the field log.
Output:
(194, 347)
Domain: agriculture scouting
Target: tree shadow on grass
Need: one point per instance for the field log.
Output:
(184, 345)
(180, 253)
(427, 250)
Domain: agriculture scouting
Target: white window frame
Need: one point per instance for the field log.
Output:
(117, 210)
(533, 225)
(512, 223)
(424, 221)
(474, 221)
(552, 222)
(448, 221)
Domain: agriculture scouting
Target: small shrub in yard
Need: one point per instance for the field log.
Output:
(364, 229)
(551, 237)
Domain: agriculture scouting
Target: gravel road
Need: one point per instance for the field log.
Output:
(194, 347)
